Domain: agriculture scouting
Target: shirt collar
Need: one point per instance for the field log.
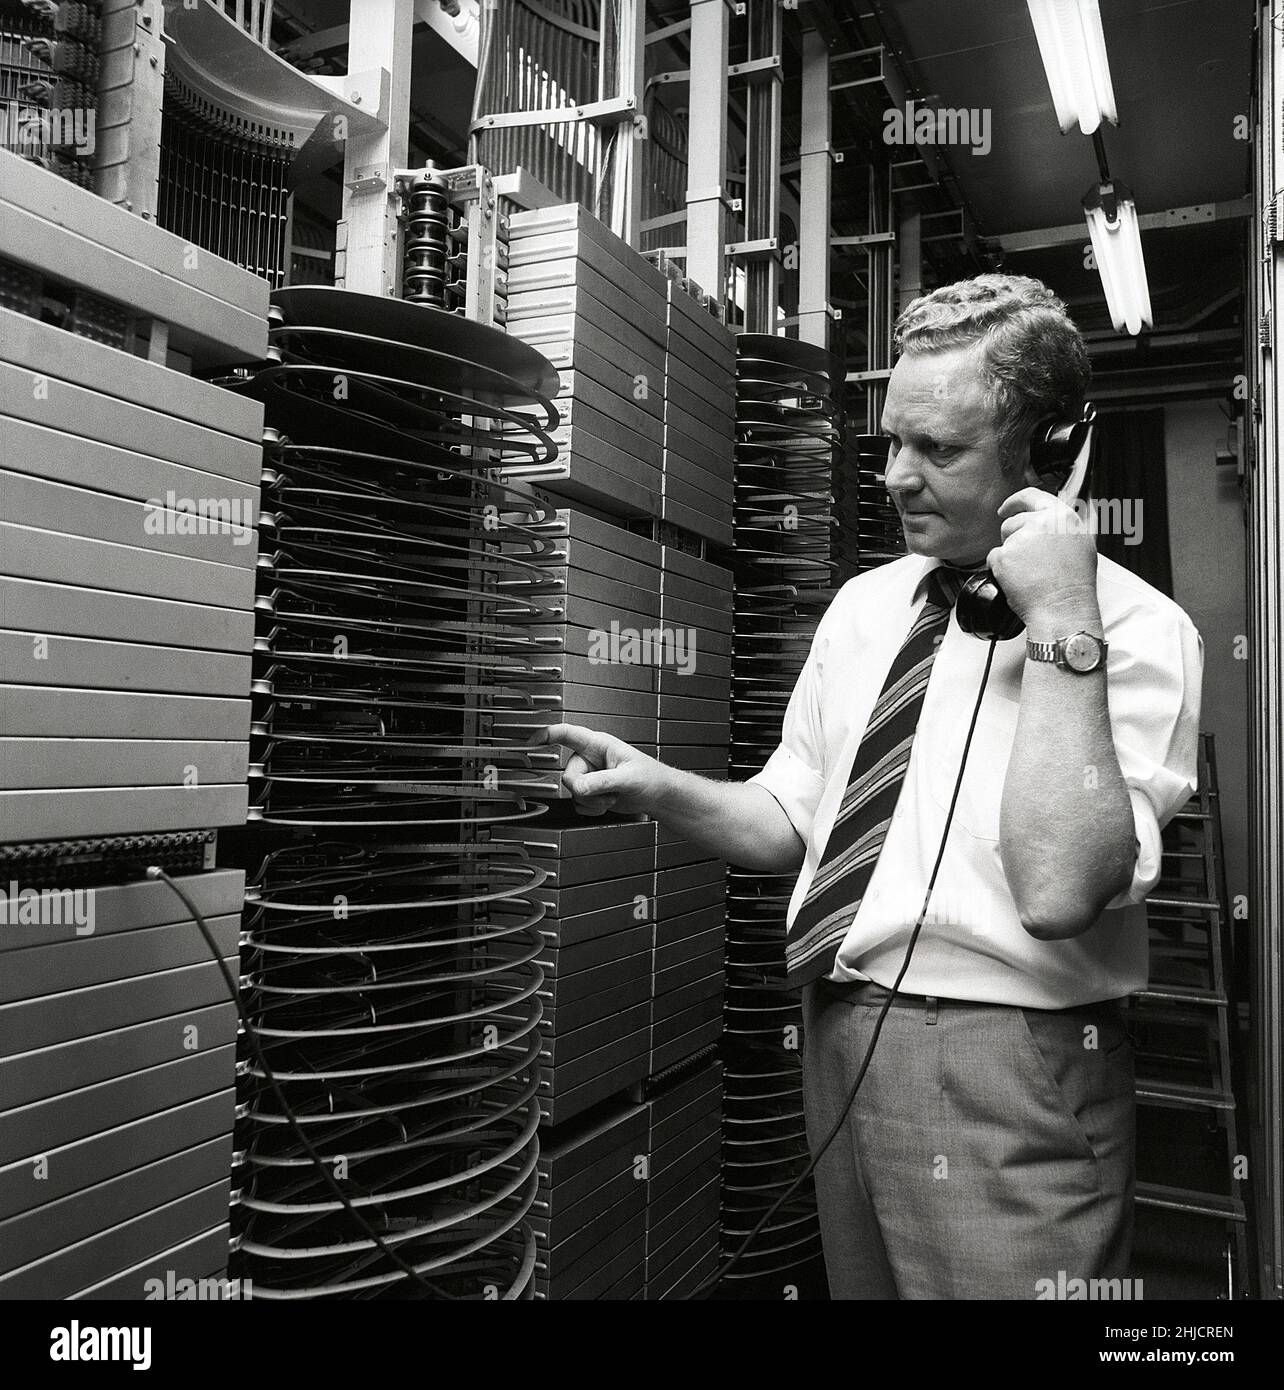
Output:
(933, 562)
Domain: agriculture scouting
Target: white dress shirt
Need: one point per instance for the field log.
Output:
(973, 945)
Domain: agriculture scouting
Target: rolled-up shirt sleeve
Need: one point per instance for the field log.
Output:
(1155, 672)
(795, 772)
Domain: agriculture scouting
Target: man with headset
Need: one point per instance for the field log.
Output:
(989, 1150)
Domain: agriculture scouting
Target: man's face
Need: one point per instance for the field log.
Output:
(943, 465)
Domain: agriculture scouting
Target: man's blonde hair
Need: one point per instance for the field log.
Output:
(1034, 359)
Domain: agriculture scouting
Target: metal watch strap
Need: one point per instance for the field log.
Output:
(1055, 652)
(1042, 651)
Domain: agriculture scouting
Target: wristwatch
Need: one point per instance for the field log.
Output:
(1081, 652)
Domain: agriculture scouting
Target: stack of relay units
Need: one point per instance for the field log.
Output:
(635, 918)
(634, 640)
(124, 700)
(647, 374)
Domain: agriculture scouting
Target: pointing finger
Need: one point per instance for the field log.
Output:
(579, 739)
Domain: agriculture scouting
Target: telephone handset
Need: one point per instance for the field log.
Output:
(1059, 456)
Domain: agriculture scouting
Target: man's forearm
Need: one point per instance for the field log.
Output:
(738, 821)
(1066, 832)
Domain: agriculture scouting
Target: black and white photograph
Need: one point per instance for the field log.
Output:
(640, 661)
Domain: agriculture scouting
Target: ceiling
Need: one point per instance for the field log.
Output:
(1180, 70)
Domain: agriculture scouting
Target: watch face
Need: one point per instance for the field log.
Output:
(1083, 652)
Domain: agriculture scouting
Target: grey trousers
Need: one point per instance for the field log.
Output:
(989, 1148)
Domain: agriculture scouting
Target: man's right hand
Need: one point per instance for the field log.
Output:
(607, 774)
(736, 821)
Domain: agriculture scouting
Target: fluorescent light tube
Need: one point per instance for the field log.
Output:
(1072, 44)
(1116, 245)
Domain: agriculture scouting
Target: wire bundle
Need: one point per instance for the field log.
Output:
(389, 949)
(224, 182)
(787, 430)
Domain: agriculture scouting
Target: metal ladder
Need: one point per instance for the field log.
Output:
(1182, 1023)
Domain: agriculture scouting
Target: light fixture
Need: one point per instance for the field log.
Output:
(1116, 245)
(1073, 47)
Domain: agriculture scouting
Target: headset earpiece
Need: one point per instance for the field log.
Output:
(1057, 441)
(982, 608)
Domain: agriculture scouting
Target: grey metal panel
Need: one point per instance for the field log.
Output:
(46, 451)
(86, 1013)
(78, 211)
(583, 479)
(113, 1251)
(76, 410)
(122, 666)
(601, 588)
(575, 287)
(48, 1071)
(697, 324)
(91, 1160)
(597, 328)
(76, 511)
(27, 764)
(575, 700)
(693, 567)
(69, 962)
(695, 394)
(703, 616)
(29, 606)
(133, 1192)
(581, 557)
(215, 330)
(201, 1257)
(584, 361)
(621, 411)
(618, 1069)
(697, 522)
(122, 907)
(49, 351)
(33, 711)
(694, 488)
(29, 553)
(573, 217)
(61, 815)
(35, 1129)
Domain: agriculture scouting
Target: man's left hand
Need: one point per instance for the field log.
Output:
(1047, 563)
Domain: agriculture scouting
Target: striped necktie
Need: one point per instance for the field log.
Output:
(873, 789)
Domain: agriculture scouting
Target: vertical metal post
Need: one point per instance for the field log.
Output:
(131, 87)
(707, 146)
(1266, 642)
(879, 320)
(369, 255)
(813, 202)
(762, 168)
(909, 244)
(621, 73)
